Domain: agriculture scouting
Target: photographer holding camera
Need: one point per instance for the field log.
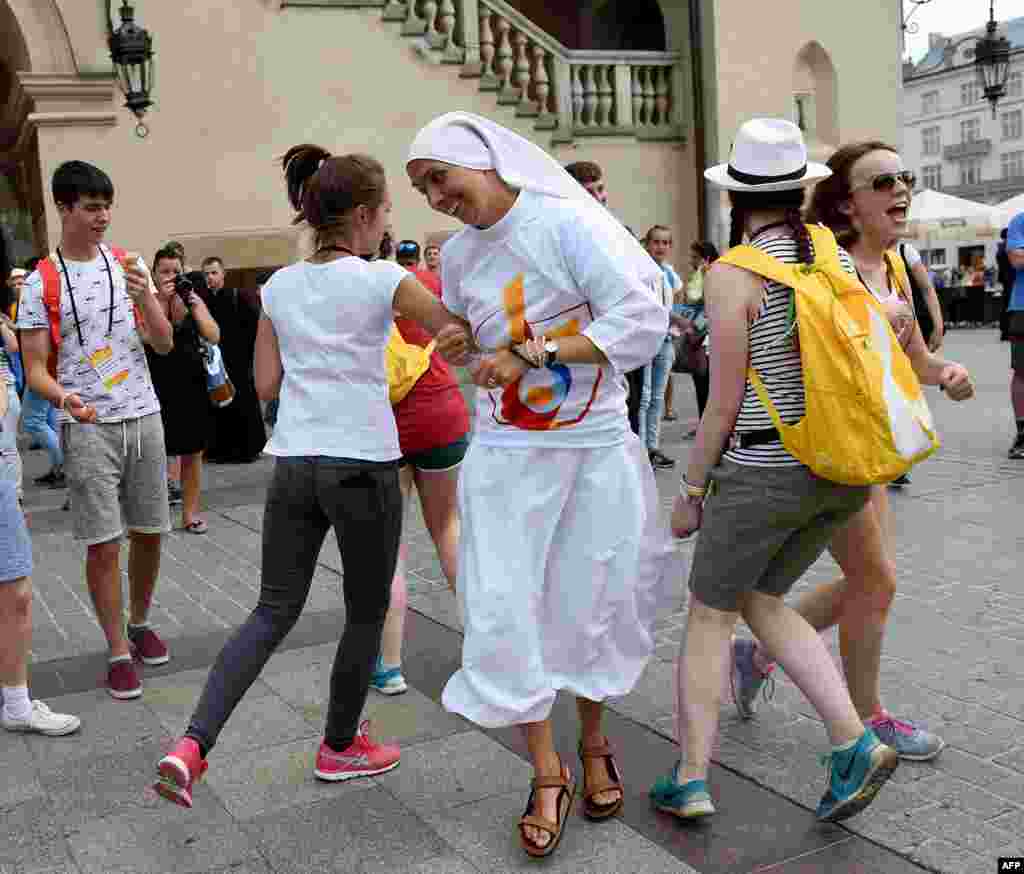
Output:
(180, 379)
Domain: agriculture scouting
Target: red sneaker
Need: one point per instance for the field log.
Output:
(363, 758)
(123, 680)
(178, 770)
(148, 646)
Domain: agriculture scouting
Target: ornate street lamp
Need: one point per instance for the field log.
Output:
(131, 50)
(991, 56)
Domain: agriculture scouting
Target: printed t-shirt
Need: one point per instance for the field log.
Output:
(105, 365)
(434, 413)
(548, 267)
(332, 323)
(1015, 240)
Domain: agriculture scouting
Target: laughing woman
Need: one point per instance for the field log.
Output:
(558, 591)
(866, 203)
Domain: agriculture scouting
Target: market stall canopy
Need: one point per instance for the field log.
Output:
(934, 215)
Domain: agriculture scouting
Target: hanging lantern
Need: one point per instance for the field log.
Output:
(992, 62)
(131, 50)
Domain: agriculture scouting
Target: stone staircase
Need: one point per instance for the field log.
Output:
(571, 94)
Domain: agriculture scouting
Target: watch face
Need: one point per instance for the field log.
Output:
(551, 346)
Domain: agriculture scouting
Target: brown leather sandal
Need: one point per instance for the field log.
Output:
(591, 809)
(555, 829)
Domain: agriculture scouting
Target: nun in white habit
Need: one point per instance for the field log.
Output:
(563, 558)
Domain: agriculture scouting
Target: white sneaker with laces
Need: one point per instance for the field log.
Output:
(44, 721)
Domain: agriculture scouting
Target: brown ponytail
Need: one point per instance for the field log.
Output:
(323, 189)
(746, 202)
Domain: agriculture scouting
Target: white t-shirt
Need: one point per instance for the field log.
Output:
(548, 268)
(332, 323)
(912, 255)
(105, 364)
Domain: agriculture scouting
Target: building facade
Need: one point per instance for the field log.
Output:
(653, 90)
(950, 137)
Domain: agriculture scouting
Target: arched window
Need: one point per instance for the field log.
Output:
(814, 95)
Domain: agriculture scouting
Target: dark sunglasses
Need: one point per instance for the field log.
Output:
(406, 249)
(887, 181)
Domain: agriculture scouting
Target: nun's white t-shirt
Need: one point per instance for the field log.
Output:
(550, 268)
(332, 323)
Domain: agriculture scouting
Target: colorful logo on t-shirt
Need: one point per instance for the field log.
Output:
(547, 398)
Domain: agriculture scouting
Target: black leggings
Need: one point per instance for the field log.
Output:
(702, 385)
(308, 495)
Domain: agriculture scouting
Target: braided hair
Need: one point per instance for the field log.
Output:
(790, 202)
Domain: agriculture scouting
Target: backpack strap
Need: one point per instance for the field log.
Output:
(896, 263)
(51, 303)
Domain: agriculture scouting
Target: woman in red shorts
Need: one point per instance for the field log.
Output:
(433, 427)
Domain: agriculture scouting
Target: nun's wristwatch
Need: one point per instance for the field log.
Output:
(550, 352)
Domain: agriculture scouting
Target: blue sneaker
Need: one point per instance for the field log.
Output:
(746, 680)
(910, 741)
(855, 776)
(691, 800)
(389, 682)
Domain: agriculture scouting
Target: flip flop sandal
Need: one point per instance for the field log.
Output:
(591, 809)
(197, 526)
(555, 829)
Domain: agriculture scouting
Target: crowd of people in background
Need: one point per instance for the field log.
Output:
(570, 327)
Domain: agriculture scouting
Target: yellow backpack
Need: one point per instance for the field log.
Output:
(866, 418)
(404, 363)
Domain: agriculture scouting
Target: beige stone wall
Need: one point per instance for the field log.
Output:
(238, 83)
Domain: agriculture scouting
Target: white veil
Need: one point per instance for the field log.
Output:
(477, 143)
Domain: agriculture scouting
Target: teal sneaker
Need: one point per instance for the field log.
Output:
(691, 800)
(389, 682)
(855, 776)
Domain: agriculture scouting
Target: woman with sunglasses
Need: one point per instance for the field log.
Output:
(866, 202)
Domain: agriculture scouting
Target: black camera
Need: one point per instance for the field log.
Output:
(183, 287)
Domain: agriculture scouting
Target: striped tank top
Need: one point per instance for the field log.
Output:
(775, 357)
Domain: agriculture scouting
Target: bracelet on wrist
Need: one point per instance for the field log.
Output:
(691, 490)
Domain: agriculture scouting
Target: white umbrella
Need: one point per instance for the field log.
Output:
(935, 215)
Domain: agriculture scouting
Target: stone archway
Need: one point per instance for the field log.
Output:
(815, 97)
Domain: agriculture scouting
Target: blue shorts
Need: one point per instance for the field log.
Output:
(15, 545)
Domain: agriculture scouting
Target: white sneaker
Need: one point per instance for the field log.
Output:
(44, 721)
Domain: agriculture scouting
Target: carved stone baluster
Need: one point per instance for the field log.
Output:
(649, 95)
(546, 120)
(414, 25)
(637, 97)
(514, 93)
(488, 81)
(606, 96)
(446, 27)
(662, 98)
(589, 96)
(396, 10)
(504, 56)
(429, 8)
(575, 76)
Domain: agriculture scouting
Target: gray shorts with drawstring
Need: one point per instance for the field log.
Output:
(117, 476)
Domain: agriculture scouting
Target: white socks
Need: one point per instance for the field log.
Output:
(16, 702)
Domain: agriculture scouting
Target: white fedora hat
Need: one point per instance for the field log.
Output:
(769, 154)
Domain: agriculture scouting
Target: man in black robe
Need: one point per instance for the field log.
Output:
(239, 435)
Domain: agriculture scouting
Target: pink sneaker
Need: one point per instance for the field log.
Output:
(178, 770)
(148, 646)
(363, 758)
(123, 680)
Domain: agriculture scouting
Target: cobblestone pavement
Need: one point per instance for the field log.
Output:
(953, 654)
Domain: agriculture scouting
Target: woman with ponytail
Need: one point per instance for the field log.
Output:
(866, 203)
(764, 517)
(320, 346)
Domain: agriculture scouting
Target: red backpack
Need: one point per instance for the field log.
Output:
(51, 301)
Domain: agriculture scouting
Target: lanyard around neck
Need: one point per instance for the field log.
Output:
(71, 295)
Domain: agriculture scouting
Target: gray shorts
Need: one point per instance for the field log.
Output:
(763, 527)
(117, 476)
(15, 546)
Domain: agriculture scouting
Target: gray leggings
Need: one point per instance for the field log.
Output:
(362, 501)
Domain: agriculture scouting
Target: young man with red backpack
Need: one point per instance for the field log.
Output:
(85, 314)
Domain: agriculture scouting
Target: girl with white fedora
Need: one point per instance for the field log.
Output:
(562, 554)
(768, 518)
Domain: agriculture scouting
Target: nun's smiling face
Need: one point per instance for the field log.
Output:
(474, 197)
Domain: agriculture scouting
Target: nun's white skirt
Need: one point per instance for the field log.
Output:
(563, 563)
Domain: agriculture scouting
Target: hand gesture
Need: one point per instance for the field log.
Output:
(499, 370)
(454, 343)
(956, 382)
(79, 410)
(686, 517)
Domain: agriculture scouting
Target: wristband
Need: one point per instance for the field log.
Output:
(690, 490)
